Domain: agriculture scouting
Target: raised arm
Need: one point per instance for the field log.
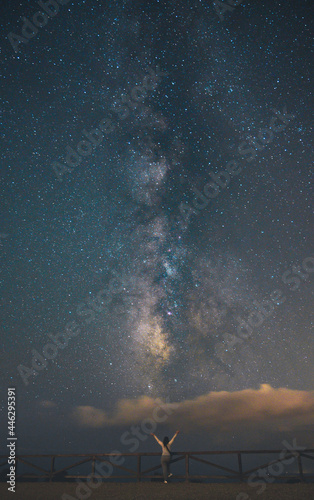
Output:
(171, 440)
(158, 441)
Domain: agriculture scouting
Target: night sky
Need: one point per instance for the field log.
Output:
(156, 226)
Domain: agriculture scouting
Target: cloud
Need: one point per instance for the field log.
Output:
(128, 411)
(267, 408)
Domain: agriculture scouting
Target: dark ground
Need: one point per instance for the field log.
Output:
(158, 491)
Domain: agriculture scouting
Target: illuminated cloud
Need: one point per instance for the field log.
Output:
(264, 408)
(127, 412)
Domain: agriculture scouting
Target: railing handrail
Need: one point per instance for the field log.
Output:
(138, 473)
(154, 453)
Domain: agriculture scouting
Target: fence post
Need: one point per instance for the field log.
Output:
(93, 470)
(240, 467)
(300, 468)
(52, 468)
(138, 467)
(187, 467)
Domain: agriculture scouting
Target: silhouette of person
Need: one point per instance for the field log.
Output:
(165, 456)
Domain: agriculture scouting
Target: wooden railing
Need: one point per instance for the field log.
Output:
(52, 473)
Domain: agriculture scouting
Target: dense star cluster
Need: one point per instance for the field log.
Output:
(156, 228)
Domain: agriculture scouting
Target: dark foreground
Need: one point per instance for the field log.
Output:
(158, 491)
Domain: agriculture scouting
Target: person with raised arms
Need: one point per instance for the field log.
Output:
(166, 454)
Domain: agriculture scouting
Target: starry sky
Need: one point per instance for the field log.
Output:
(171, 255)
